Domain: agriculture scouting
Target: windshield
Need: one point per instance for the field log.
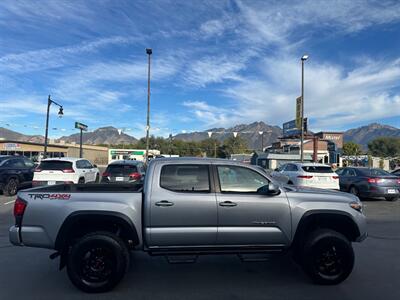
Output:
(317, 169)
(122, 169)
(55, 165)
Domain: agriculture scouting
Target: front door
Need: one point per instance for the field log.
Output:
(246, 218)
(183, 208)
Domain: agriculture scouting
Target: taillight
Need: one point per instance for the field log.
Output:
(135, 176)
(398, 181)
(374, 180)
(37, 170)
(305, 176)
(335, 177)
(68, 171)
(19, 209)
(106, 174)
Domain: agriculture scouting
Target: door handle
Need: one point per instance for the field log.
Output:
(227, 203)
(164, 203)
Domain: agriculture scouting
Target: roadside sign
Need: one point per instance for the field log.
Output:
(290, 128)
(81, 126)
(299, 106)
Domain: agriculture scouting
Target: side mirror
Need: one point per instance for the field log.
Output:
(94, 166)
(269, 189)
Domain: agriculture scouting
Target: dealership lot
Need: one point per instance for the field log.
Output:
(29, 273)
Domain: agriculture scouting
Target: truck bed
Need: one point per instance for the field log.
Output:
(90, 188)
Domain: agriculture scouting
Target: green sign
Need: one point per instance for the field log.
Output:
(81, 126)
(138, 152)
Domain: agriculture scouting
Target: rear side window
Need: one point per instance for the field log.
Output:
(55, 165)
(317, 169)
(121, 169)
(14, 163)
(291, 167)
(185, 178)
(374, 172)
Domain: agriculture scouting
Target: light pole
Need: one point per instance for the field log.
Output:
(262, 140)
(60, 114)
(148, 52)
(303, 59)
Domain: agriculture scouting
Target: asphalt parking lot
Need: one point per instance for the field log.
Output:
(28, 273)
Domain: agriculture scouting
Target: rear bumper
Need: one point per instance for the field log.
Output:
(13, 235)
(30, 236)
(380, 192)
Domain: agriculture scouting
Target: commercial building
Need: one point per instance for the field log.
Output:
(134, 154)
(97, 155)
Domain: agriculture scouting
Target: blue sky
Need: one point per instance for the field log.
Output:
(215, 63)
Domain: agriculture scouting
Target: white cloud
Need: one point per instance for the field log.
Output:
(55, 57)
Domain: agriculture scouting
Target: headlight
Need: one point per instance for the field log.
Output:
(357, 206)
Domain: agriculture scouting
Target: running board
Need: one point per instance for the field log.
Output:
(181, 259)
(253, 257)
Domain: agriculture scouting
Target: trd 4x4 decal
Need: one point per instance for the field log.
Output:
(50, 196)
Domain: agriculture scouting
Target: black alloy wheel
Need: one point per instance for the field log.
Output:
(11, 188)
(328, 257)
(97, 262)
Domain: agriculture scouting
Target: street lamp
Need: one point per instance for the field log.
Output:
(303, 59)
(60, 114)
(149, 52)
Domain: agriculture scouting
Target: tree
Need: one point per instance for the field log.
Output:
(235, 145)
(385, 146)
(351, 149)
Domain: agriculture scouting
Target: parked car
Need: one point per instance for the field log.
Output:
(15, 172)
(189, 206)
(308, 174)
(124, 171)
(369, 182)
(65, 170)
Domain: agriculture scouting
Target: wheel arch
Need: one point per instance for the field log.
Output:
(339, 221)
(80, 223)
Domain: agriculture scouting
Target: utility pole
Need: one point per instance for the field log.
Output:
(149, 52)
(303, 58)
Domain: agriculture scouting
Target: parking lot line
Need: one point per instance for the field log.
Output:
(9, 202)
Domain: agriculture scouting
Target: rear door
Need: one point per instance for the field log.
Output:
(183, 208)
(90, 171)
(246, 218)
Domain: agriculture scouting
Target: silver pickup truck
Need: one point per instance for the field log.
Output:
(187, 207)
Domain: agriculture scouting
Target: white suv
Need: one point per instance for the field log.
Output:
(308, 174)
(65, 170)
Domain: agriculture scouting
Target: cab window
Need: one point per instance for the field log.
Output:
(239, 179)
(185, 178)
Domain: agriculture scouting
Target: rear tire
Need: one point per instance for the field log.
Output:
(327, 257)
(97, 262)
(392, 199)
(11, 187)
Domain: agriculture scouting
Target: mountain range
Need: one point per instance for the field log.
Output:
(250, 132)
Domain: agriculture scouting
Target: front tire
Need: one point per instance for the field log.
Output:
(327, 257)
(97, 262)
